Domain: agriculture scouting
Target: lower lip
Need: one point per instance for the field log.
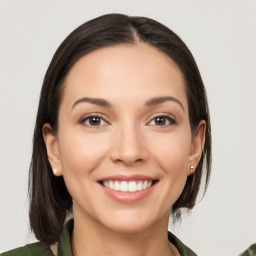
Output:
(128, 197)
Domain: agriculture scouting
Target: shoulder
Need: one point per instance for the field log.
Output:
(182, 248)
(35, 249)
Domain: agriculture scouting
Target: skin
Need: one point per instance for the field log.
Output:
(127, 140)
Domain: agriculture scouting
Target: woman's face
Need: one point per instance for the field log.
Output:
(124, 143)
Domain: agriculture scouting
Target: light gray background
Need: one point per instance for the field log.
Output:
(222, 37)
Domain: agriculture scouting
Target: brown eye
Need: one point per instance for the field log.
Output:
(94, 121)
(161, 121)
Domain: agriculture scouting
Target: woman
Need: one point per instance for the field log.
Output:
(121, 138)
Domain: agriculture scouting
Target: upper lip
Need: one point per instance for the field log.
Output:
(127, 178)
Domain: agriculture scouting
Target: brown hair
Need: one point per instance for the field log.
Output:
(50, 201)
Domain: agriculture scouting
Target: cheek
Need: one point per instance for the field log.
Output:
(81, 153)
(80, 156)
(172, 153)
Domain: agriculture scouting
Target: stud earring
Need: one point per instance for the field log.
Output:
(192, 169)
(54, 171)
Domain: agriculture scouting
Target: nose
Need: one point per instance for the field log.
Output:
(129, 146)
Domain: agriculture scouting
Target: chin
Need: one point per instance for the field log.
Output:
(132, 222)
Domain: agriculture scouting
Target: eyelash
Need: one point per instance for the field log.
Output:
(91, 116)
(170, 120)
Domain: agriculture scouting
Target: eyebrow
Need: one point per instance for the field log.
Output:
(95, 101)
(149, 103)
(159, 100)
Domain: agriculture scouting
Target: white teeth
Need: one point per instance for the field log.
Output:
(116, 186)
(124, 186)
(127, 186)
(111, 184)
(144, 185)
(132, 186)
(105, 184)
(139, 186)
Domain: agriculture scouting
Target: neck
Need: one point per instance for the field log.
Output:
(91, 238)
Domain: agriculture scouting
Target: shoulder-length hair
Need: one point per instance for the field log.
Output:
(50, 201)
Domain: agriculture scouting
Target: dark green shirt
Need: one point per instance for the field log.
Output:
(64, 246)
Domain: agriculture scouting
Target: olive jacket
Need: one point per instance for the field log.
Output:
(64, 246)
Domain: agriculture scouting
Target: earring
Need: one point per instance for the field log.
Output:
(54, 171)
(192, 169)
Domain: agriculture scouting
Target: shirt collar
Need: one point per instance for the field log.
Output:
(64, 245)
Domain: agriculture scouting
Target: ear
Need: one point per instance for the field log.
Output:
(52, 147)
(197, 145)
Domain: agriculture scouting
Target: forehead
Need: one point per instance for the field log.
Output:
(124, 70)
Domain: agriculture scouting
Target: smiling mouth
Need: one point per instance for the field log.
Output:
(128, 186)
